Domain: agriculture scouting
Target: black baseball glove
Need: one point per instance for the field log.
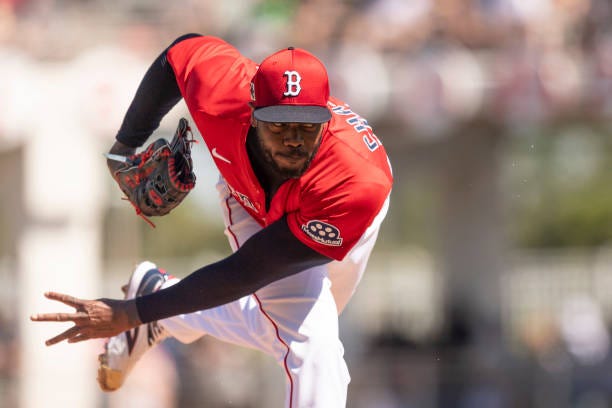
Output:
(159, 178)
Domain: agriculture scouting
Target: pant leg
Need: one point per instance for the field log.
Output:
(236, 322)
(295, 320)
(346, 274)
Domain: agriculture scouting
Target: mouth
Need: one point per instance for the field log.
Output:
(291, 165)
(293, 157)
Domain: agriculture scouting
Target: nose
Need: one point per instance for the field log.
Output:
(293, 138)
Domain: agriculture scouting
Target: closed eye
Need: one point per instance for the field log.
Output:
(304, 127)
(309, 127)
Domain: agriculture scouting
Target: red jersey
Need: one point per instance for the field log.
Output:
(330, 206)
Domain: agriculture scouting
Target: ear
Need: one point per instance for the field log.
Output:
(253, 120)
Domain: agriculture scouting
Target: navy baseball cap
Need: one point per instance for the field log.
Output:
(291, 86)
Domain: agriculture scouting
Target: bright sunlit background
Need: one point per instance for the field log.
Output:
(490, 285)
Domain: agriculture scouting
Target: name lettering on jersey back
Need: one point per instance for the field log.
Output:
(359, 124)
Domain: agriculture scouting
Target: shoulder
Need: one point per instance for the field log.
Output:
(213, 76)
(345, 188)
(350, 151)
(208, 57)
(351, 172)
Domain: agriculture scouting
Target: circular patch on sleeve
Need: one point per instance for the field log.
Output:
(323, 233)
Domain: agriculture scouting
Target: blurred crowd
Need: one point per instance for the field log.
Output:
(421, 67)
(426, 64)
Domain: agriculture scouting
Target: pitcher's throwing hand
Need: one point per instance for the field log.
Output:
(92, 319)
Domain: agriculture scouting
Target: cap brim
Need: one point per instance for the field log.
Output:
(293, 114)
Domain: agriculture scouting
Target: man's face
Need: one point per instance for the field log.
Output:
(288, 148)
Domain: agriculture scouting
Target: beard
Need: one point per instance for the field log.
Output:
(267, 159)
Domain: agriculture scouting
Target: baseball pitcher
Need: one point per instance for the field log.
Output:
(304, 186)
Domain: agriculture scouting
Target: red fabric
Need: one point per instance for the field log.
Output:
(271, 80)
(332, 204)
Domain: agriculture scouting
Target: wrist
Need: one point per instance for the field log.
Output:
(122, 149)
(118, 149)
(131, 312)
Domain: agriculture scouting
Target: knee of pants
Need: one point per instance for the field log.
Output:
(320, 375)
(317, 348)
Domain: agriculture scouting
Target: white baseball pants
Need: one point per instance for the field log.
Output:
(294, 320)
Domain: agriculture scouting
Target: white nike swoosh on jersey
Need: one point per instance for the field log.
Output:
(218, 156)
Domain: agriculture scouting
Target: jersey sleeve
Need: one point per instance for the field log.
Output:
(333, 222)
(214, 78)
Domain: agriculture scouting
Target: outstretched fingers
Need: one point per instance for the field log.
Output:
(92, 318)
(78, 317)
(80, 314)
(66, 299)
(66, 335)
(58, 317)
